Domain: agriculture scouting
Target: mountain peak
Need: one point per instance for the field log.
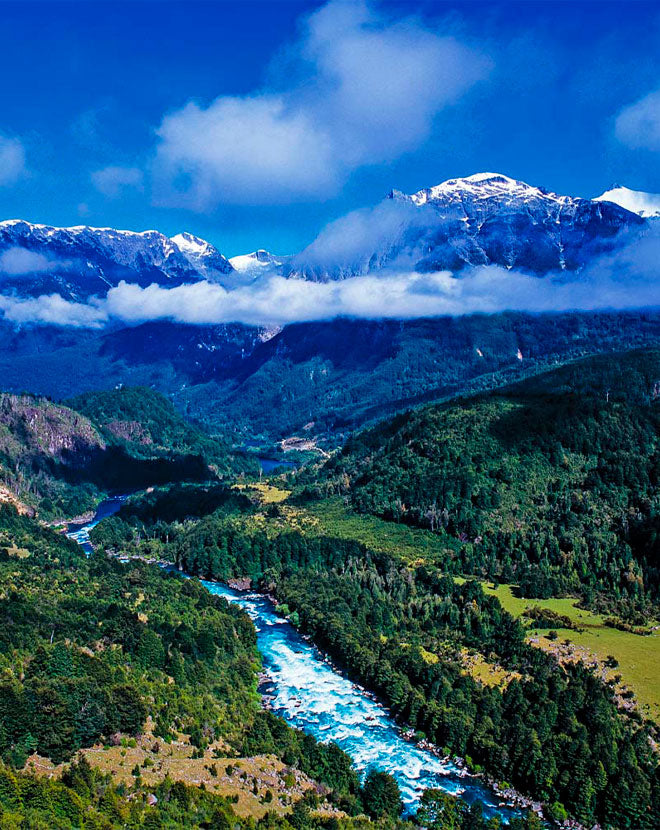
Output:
(190, 244)
(646, 205)
(255, 260)
(484, 185)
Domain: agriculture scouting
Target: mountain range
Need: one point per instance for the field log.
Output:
(81, 262)
(484, 219)
(320, 379)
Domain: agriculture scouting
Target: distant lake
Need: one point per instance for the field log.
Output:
(270, 464)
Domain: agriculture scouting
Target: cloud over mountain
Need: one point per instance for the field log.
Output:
(363, 88)
(620, 280)
(17, 260)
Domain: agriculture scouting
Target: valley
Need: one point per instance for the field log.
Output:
(330, 415)
(456, 617)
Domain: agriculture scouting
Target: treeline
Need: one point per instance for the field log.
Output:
(554, 733)
(553, 484)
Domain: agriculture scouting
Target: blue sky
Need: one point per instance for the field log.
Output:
(254, 124)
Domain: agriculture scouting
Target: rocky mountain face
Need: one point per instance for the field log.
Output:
(484, 219)
(81, 262)
(35, 428)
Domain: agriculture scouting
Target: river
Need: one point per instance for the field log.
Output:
(310, 694)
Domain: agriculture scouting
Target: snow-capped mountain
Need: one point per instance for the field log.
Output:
(483, 219)
(206, 259)
(643, 204)
(257, 265)
(80, 262)
(256, 261)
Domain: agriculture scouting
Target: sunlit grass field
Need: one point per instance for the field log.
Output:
(638, 656)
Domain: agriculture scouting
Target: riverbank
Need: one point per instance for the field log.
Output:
(304, 686)
(510, 798)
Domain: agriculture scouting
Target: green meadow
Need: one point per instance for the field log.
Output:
(638, 656)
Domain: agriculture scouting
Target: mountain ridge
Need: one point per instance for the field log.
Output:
(81, 261)
(479, 220)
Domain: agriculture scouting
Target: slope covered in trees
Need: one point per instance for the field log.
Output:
(147, 425)
(404, 631)
(553, 483)
(338, 374)
(92, 647)
(57, 460)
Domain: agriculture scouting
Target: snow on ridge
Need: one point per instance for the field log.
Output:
(482, 186)
(76, 228)
(646, 205)
(257, 259)
(190, 244)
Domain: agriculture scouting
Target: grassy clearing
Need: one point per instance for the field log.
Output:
(246, 779)
(489, 674)
(266, 493)
(413, 545)
(638, 656)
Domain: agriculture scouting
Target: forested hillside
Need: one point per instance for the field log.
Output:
(147, 425)
(407, 634)
(58, 460)
(553, 483)
(93, 651)
(336, 374)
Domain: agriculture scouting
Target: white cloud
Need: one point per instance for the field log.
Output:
(281, 301)
(348, 243)
(627, 278)
(17, 261)
(363, 89)
(638, 125)
(12, 160)
(113, 181)
(242, 150)
(51, 309)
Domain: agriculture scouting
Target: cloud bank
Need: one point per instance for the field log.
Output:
(399, 295)
(348, 243)
(362, 89)
(628, 278)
